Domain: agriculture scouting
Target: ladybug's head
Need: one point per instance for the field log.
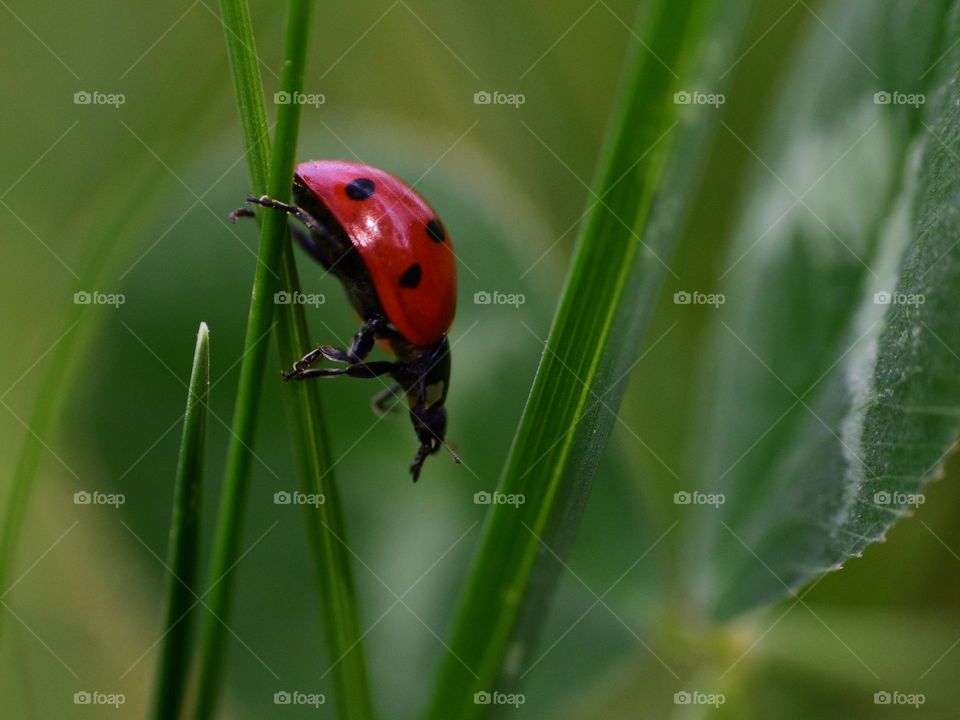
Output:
(430, 424)
(427, 413)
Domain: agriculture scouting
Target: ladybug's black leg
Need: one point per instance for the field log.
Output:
(362, 342)
(306, 241)
(362, 345)
(307, 360)
(364, 339)
(327, 352)
(334, 354)
(357, 370)
(386, 400)
(243, 212)
(298, 212)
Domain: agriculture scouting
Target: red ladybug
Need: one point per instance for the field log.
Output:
(392, 254)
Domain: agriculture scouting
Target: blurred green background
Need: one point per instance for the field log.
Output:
(398, 81)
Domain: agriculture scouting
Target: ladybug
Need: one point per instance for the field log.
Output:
(392, 254)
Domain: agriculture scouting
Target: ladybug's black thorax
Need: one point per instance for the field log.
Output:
(426, 396)
(338, 255)
(426, 371)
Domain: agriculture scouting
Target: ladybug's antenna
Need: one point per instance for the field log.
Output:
(453, 453)
(423, 451)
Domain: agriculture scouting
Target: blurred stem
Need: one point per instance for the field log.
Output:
(184, 534)
(325, 525)
(116, 215)
(57, 381)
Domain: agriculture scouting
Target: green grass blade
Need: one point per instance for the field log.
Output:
(184, 537)
(259, 326)
(615, 276)
(248, 88)
(325, 525)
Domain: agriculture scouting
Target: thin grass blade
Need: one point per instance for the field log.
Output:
(172, 671)
(623, 253)
(325, 526)
(260, 324)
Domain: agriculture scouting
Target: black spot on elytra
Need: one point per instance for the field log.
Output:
(411, 276)
(435, 231)
(360, 189)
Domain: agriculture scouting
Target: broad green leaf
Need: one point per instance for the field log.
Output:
(648, 170)
(826, 409)
(182, 555)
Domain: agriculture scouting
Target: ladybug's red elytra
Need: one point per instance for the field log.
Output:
(393, 255)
